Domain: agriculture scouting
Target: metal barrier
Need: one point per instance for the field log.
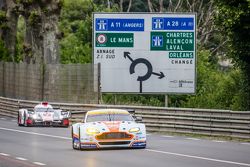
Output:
(159, 119)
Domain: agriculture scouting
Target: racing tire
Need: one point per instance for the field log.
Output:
(73, 143)
(25, 121)
(79, 138)
(18, 120)
(72, 138)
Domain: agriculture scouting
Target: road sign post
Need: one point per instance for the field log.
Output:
(145, 52)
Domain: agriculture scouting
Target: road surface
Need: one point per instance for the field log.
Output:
(51, 147)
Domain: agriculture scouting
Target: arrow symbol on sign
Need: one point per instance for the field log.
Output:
(161, 75)
(149, 67)
(127, 55)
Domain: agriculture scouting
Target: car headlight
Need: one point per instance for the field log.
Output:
(133, 130)
(92, 131)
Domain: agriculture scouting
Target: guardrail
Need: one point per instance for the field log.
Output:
(159, 119)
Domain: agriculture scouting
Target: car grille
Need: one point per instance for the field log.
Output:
(115, 143)
(114, 135)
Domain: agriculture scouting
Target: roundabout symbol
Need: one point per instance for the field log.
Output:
(149, 68)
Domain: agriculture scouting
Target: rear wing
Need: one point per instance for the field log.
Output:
(32, 107)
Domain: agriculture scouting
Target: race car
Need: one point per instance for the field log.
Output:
(43, 114)
(108, 128)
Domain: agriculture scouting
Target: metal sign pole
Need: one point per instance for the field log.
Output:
(166, 100)
(99, 84)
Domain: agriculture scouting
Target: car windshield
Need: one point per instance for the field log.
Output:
(44, 110)
(109, 117)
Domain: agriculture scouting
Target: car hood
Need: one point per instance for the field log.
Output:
(113, 126)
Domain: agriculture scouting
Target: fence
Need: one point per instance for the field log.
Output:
(159, 119)
(52, 82)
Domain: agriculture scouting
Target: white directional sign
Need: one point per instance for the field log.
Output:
(145, 52)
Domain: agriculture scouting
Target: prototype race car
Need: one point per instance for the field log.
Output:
(108, 128)
(43, 114)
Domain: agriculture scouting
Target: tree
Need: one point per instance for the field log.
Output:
(41, 36)
(4, 52)
(233, 19)
(8, 27)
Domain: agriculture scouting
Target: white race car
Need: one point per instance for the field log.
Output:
(108, 128)
(43, 114)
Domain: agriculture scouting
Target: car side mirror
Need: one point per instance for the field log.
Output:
(138, 119)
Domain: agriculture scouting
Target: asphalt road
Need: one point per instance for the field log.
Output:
(51, 147)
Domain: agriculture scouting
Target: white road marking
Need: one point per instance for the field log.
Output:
(22, 159)
(167, 136)
(39, 163)
(218, 141)
(13, 120)
(3, 118)
(150, 150)
(193, 139)
(197, 157)
(5, 154)
(33, 133)
(148, 134)
(246, 143)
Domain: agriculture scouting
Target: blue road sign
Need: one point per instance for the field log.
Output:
(172, 23)
(106, 24)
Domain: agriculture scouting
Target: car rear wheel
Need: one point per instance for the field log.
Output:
(25, 120)
(19, 120)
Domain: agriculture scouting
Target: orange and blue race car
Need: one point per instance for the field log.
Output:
(43, 114)
(108, 128)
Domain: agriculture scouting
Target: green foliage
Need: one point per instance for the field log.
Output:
(4, 56)
(215, 88)
(24, 2)
(73, 51)
(21, 29)
(2, 16)
(34, 17)
(76, 27)
(127, 99)
(3, 20)
(137, 6)
(233, 20)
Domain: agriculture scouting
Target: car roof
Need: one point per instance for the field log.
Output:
(107, 111)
